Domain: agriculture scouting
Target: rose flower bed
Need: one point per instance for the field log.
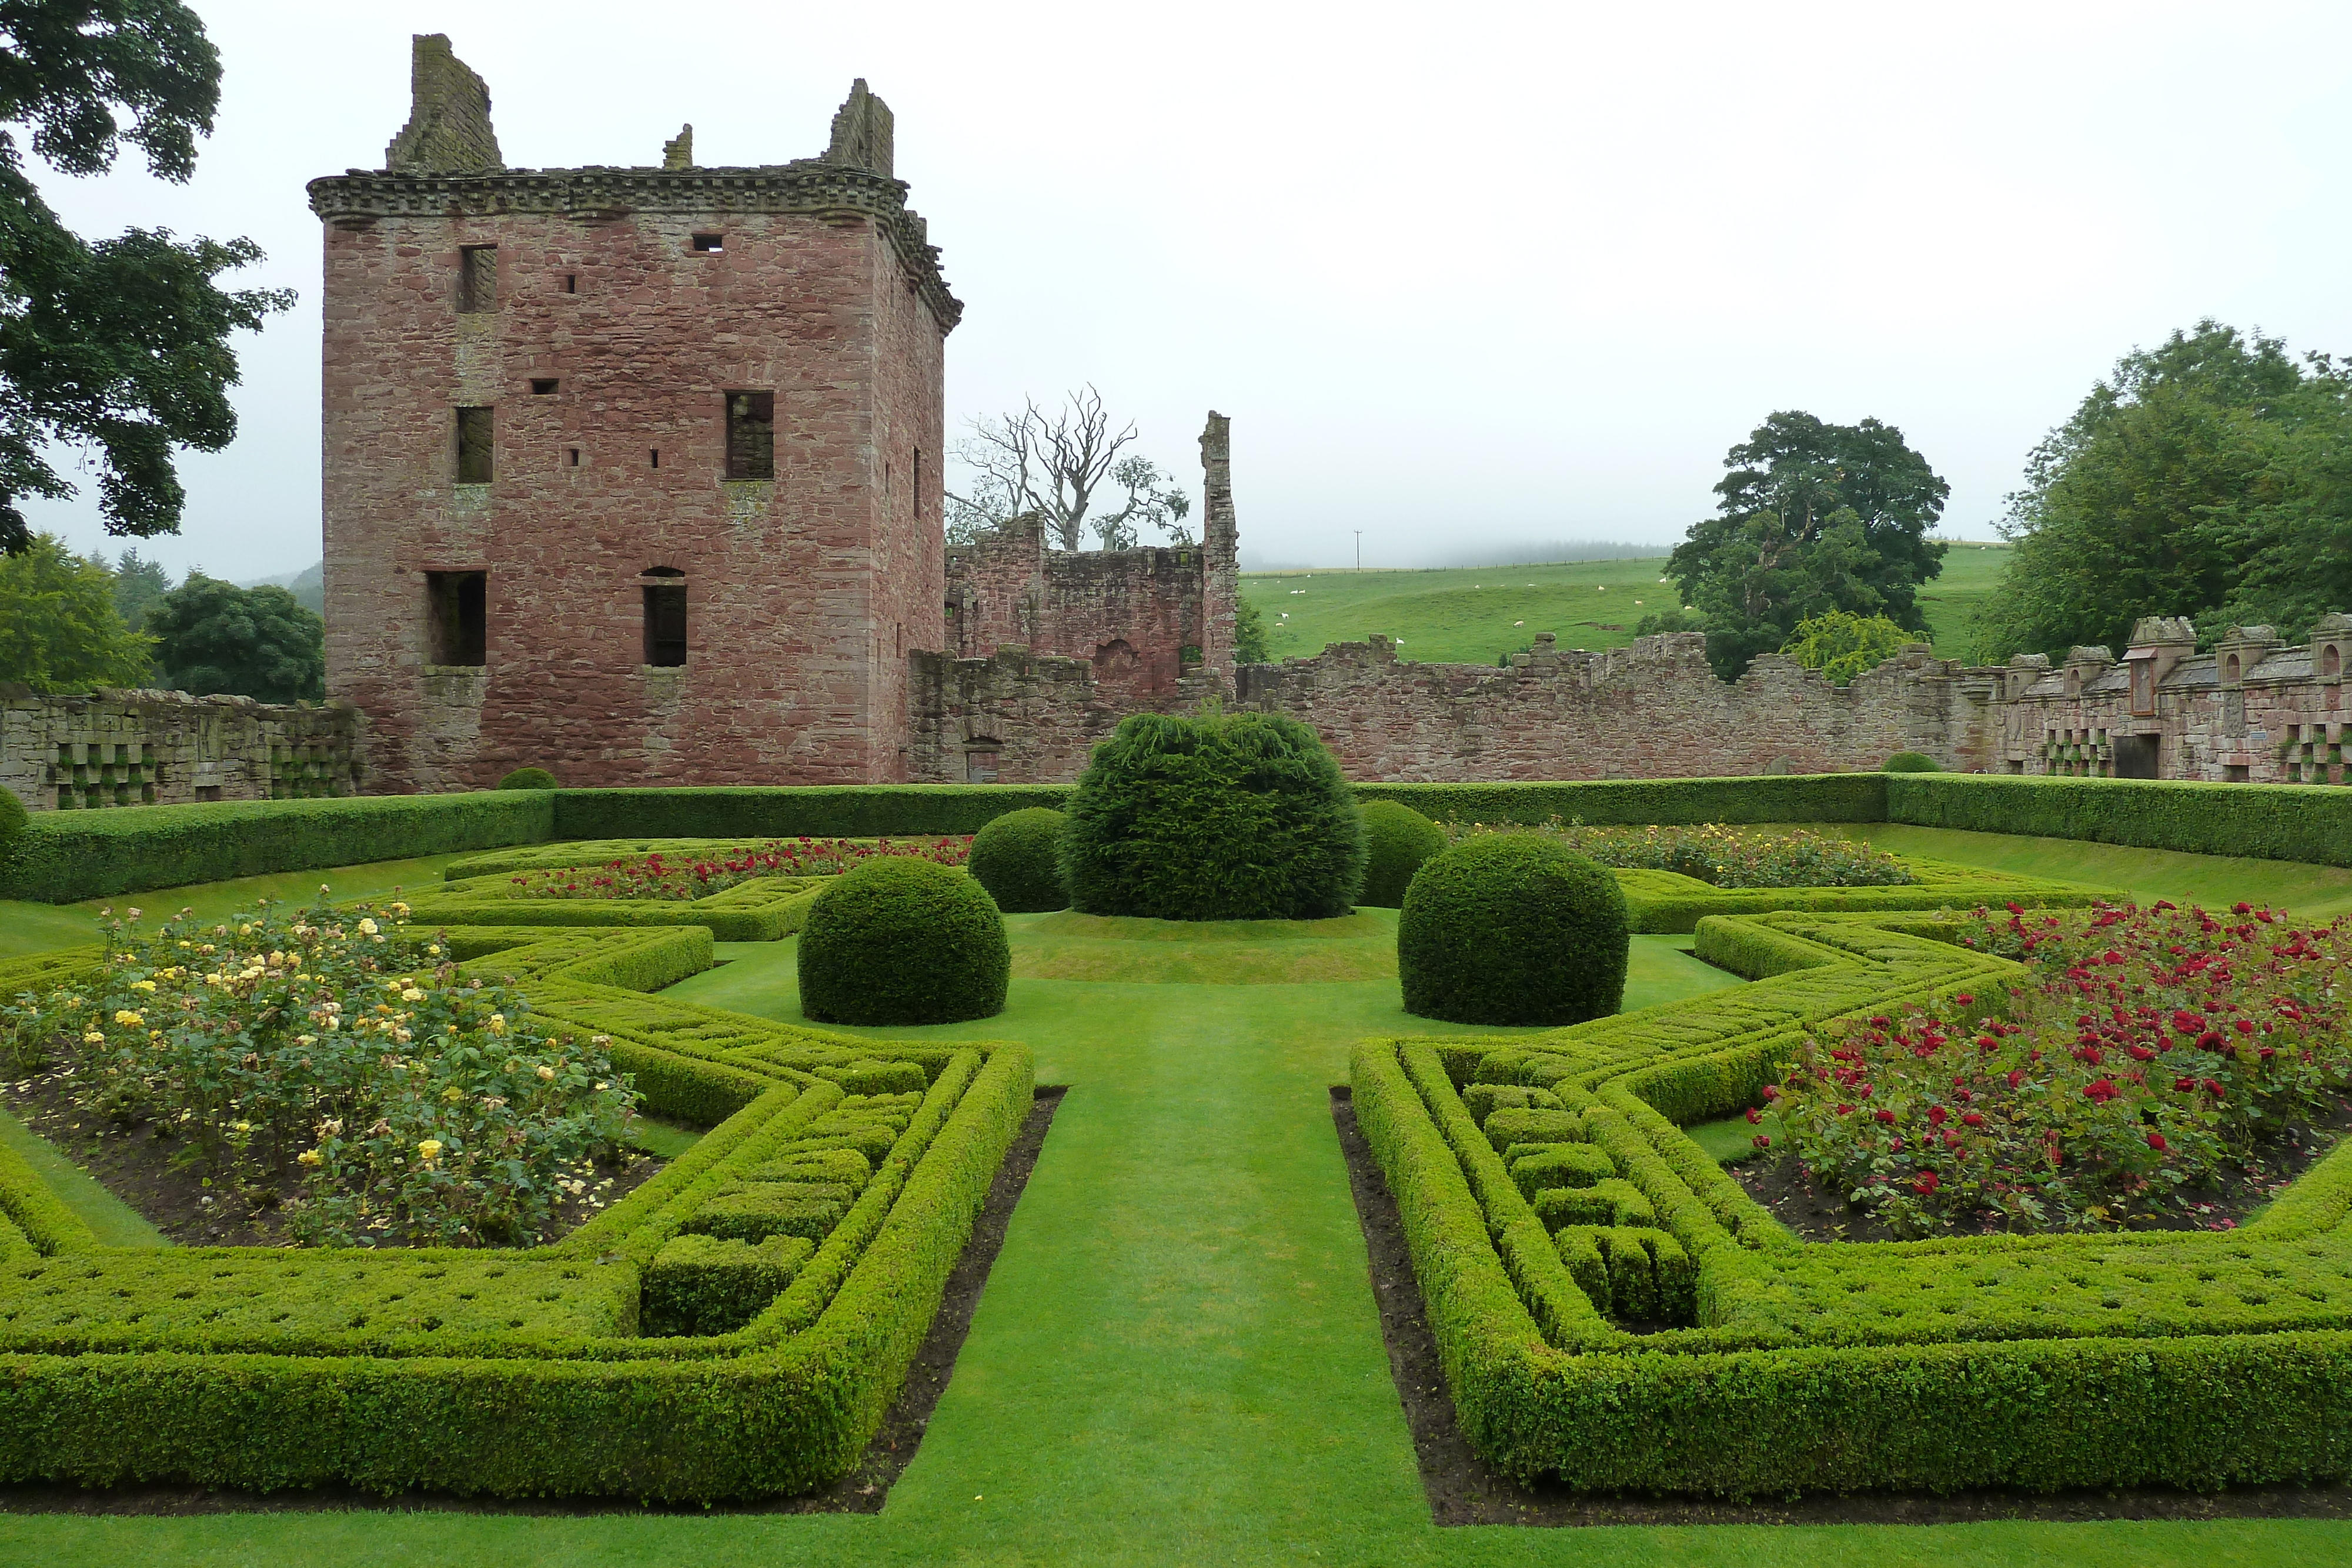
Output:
(657, 875)
(2158, 1053)
(331, 1064)
(1719, 855)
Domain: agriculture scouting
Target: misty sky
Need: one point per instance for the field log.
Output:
(1461, 275)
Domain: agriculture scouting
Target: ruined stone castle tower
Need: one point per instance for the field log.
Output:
(631, 472)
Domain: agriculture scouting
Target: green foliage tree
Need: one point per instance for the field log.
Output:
(1841, 644)
(1221, 817)
(213, 636)
(2209, 476)
(1680, 619)
(1249, 633)
(121, 345)
(59, 628)
(137, 583)
(1809, 516)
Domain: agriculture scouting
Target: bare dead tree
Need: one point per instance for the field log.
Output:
(1053, 464)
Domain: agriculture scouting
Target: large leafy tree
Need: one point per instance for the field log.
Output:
(118, 346)
(214, 636)
(1809, 516)
(59, 628)
(137, 583)
(2169, 487)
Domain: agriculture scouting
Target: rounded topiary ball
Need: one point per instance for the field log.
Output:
(529, 778)
(1512, 928)
(1911, 762)
(1222, 817)
(1018, 858)
(901, 940)
(1397, 840)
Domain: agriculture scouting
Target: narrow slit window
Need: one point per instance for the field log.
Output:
(711, 245)
(665, 594)
(478, 279)
(653, 458)
(457, 617)
(570, 283)
(572, 457)
(751, 435)
(543, 386)
(475, 440)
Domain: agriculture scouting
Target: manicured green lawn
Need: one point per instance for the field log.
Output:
(2313, 891)
(1177, 1360)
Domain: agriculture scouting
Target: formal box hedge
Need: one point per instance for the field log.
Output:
(60, 857)
(2033, 1362)
(627, 1359)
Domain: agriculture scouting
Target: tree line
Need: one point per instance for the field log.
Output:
(72, 623)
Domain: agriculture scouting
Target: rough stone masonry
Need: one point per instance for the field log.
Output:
(631, 472)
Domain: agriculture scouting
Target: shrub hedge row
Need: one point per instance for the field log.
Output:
(2187, 1360)
(63, 856)
(733, 1328)
(2307, 822)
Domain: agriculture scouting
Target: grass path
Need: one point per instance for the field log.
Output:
(1177, 1359)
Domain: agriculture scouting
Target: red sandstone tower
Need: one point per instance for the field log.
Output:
(634, 474)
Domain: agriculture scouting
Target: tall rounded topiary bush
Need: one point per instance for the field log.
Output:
(529, 778)
(1018, 858)
(1911, 762)
(901, 940)
(1512, 928)
(1397, 840)
(1223, 817)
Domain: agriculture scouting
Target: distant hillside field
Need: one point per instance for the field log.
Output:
(1470, 615)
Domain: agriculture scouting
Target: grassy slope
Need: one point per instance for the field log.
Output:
(1469, 614)
(1177, 1360)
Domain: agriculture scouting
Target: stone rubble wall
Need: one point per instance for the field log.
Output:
(151, 747)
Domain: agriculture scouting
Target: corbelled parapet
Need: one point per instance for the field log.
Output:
(445, 163)
(448, 128)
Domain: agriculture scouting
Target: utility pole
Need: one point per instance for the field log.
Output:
(1360, 549)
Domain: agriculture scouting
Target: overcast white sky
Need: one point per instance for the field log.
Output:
(1461, 274)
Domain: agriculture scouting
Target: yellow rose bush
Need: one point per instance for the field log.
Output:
(332, 1060)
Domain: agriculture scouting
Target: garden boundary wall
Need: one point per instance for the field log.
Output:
(123, 747)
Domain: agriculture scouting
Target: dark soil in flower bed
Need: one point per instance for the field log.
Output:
(1818, 1213)
(1463, 1489)
(134, 1161)
(863, 1490)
